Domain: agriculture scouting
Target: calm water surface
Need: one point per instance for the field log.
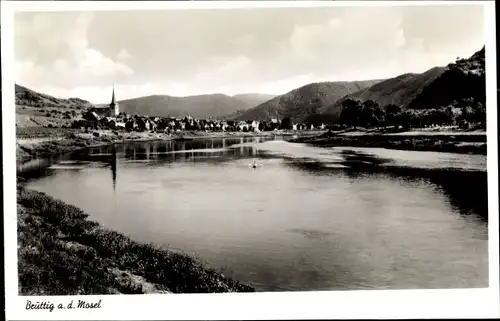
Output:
(306, 218)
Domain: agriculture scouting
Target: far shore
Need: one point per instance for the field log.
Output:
(449, 140)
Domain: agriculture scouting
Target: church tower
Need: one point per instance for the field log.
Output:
(114, 109)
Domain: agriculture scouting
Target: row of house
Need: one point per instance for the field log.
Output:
(167, 124)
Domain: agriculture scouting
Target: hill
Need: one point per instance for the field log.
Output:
(200, 106)
(251, 100)
(254, 99)
(464, 79)
(28, 97)
(307, 100)
(400, 90)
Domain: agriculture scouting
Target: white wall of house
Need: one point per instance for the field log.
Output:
(255, 126)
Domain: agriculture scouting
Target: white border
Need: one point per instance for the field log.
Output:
(473, 303)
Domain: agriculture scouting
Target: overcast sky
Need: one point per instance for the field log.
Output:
(81, 54)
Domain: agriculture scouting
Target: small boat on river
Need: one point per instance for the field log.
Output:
(255, 165)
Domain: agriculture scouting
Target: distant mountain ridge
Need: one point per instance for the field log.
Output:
(199, 106)
(300, 103)
(28, 97)
(254, 99)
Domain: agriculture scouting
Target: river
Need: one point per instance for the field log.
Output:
(306, 218)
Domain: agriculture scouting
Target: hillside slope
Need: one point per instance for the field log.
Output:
(466, 78)
(307, 100)
(28, 97)
(200, 106)
(254, 100)
(400, 90)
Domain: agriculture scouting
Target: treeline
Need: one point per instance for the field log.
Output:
(370, 114)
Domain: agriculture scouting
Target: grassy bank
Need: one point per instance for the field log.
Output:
(46, 142)
(453, 142)
(61, 252)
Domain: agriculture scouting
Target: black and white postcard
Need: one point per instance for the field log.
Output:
(250, 160)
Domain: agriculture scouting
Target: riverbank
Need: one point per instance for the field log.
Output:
(449, 140)
(61, 252)
(49, 142)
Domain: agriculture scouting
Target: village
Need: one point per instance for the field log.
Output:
(92, 119)
(110, 117)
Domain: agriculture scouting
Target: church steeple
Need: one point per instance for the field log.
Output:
(113, 96)
(113, 106)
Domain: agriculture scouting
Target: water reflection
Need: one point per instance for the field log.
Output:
(466, 190)
(113, 166)
(153, 154)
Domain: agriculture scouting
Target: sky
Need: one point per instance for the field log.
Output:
(233, 51)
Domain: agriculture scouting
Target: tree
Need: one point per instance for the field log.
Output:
(391, 112)
(351, 112)
(452, 114)
(379, 115)
(286, 123)
(367, 117)
(479, 113)
(392, 109)
(464, 102)
(467, 114)
(407, 118)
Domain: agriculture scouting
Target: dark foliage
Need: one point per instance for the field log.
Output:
(466, 78)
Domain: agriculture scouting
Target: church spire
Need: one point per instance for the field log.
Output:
(113, 106)
(113, 96)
